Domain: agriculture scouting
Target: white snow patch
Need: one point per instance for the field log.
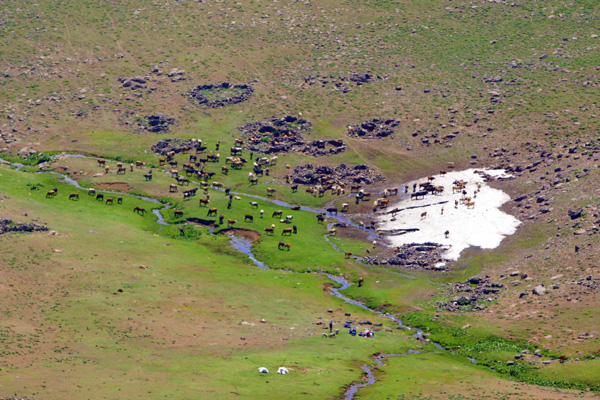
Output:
(483, 225)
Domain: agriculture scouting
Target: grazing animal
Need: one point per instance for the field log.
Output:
(121, 170)
(224, 169)
(139, 163)
(248, 217)
(446, 234)
(204, 202)
(332, 231)
(148, 177)
(231, 222)
(91, 192)
(253, 204)
(182, 179)
(100, 197)
(172, 188)
(332, 210)
(320, 218)
(455, 203)
(295, 208)
(270, 191)
(162, 161)
(212, 212)
(347, 254)
(287, 165)
(344, 207)
(74, 196)
(109, 200)
(51, 193)
(101, 162)
(420, 193)
(287, 231)
(178, 213)
(294, 188)
(470, 204)
(253, 181)
(423, 214)
(277, 213)
(139, 210)
(269, 231)
(106, 169)
(119, 200)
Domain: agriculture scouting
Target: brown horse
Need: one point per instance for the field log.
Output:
(248, 217)
(139, 210)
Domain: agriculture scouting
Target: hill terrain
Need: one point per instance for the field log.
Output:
(192, 190)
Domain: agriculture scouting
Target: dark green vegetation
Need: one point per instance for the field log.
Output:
(115, 305)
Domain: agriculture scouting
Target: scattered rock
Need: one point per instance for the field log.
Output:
(198, 94)
(373, 129)
(539, 290)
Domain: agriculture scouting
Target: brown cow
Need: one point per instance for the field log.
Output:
(269, 231)
(204, 202)
(211, 212)
(74, 196)
(287, 231)
(110, 201)
(348, 254)
(231, 222)
(248, 217)
(178, 213)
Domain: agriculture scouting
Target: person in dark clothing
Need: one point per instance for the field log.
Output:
(360, 281)
(330, 326)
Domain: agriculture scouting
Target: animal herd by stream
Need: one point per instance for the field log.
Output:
(201, 169)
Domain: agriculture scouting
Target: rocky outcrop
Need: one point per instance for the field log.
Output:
(373, 129)
(198, 95)
(419, 256)
(157, 123)
(7, 225)
(165, 146)
(467, 294)
(311, 175)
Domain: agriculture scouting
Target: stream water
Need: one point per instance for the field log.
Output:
(244, 246)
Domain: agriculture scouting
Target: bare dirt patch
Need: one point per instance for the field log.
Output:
(245, 233)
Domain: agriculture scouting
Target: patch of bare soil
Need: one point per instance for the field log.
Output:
(245, 233)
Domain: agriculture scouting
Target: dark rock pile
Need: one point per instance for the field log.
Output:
(7, 225)
(469, 292)
(137, 82)
(311, 175)
(163, 147)
(282, 135)
(342, 83)
(198, 94)
(157, 123)
(373, 129)
(421, 256)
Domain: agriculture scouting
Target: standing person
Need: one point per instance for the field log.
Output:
(251, 155)
(357, 198)
(360, 281)
(330, 326)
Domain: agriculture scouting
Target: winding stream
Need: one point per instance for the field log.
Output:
(244, 246)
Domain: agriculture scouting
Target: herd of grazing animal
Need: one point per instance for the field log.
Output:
(195, 168)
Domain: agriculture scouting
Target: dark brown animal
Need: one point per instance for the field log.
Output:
(269, 231)
(74, 196)
(110, 201)
(178, 213)
(100, 197)
(277, 213)
(139, 210)
(347, 254)
(248, 217)
(204, 202)
(212, 212)
(287, 231)
(231, 222)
